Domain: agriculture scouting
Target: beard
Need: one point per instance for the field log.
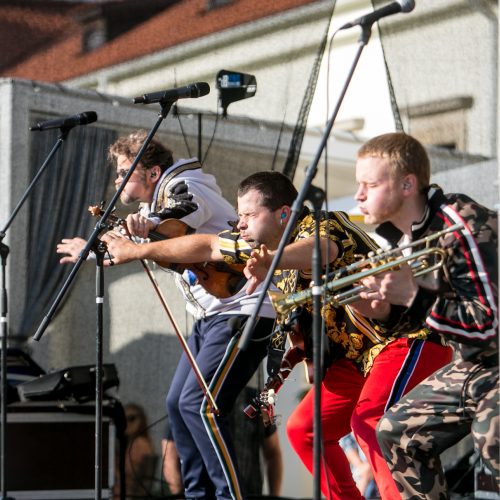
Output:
(129, 199)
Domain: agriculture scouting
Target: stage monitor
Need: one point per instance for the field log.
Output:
(74, 383)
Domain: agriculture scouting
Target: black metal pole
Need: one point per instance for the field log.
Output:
(57, 145)
(101, 224)
(200, 138)
(93, 243)
(99, 251)
(4, 250)
(316, 196)
(295, 212)
(299, 201)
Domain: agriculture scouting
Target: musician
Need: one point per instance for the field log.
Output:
(457, 303)
(356, 347)
(182, 191)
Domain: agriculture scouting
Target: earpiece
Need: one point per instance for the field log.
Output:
(283, 215)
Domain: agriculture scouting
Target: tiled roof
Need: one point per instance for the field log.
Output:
(25, 30)
(62, 56)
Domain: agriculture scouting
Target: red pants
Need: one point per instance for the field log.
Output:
(350, 401)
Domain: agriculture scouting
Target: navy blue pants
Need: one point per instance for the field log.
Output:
(203, 440)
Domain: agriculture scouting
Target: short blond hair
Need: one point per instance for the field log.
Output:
(405, 154)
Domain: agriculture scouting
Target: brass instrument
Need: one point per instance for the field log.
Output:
(380, 262)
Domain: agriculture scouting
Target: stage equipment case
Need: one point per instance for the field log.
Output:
(50, 451)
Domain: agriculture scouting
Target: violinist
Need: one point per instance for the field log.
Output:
(179, 198)
(367, 370)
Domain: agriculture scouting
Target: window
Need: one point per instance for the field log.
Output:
(94, 36)
(441, 123)
(213, 4)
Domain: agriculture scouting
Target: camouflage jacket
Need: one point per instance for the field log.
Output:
(459, 301)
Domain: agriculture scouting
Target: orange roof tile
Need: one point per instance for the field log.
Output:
(181, 22)
(26, 31)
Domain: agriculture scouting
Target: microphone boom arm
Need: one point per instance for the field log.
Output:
(301, 198)
(305, 191)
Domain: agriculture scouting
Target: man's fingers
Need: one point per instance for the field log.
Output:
(252, 285)
(111, 235)
(67, 260)
(370, 294)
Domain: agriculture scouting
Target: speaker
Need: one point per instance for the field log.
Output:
(76, 382)
(50, 452)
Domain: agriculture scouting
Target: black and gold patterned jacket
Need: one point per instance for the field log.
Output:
(350, 335)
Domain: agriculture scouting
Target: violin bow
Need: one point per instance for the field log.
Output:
(182, 340)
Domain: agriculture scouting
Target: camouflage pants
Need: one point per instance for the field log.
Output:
(458, 399)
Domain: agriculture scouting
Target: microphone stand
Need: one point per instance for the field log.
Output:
(4, 252)
(317, 197)
(94, 244)
(296, 209)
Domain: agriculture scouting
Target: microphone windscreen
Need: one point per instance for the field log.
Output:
(203, 88)
(88, 117)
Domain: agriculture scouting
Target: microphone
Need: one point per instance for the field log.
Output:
(68, 122)
(198, 89)
(388, 10)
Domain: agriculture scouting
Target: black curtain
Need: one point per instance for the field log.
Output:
(78, 176)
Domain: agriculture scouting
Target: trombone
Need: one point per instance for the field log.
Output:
(378, 263)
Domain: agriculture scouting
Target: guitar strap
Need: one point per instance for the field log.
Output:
(192, 304)
(190, 165)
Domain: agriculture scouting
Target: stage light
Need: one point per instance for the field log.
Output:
(234, 86)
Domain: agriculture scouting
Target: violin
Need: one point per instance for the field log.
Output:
(220, 279)
(300, 350)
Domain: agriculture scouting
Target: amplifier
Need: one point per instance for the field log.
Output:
(50, 452)
(76, 382)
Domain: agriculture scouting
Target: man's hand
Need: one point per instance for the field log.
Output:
(257, 267)
(72, 247)
(120, 248)
(139, 226)
(396, 287)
